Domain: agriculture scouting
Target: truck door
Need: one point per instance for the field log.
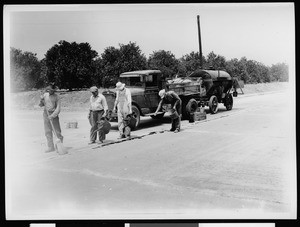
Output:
(151, 90)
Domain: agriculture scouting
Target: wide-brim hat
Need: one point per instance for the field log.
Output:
(120, 86)
(93, 89)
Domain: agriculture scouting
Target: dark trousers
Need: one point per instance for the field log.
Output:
(49, 130)
(94, 119)
(176, 122)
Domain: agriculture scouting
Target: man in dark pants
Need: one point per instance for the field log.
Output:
(170, 97)
(51, 104)
(98, 110)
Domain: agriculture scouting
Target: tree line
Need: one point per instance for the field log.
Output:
(77, 66)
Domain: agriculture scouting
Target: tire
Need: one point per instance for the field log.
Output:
(137, 115)
(228, 101)
(158, 116)
(191, 107)
(213, 104)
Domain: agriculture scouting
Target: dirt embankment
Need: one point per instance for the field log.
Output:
(79, 100)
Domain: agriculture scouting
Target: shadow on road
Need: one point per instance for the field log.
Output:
(148, 122)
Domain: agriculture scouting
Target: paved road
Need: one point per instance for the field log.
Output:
(236, 164)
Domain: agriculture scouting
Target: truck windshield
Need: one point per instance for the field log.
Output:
(132, 81)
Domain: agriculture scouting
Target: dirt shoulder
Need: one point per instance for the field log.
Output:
(79, 100)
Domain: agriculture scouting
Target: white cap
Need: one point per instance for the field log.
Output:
(162, 93)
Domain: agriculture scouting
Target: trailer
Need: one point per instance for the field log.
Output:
(204, 88)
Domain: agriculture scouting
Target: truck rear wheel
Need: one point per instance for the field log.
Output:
(213, 104)
(191, 107)
(137, 115)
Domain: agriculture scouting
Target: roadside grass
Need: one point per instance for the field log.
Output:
(79, 100)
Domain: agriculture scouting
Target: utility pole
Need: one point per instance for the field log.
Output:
(199, 37)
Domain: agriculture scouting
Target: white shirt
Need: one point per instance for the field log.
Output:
(98, 103)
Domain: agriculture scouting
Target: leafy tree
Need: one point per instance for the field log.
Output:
(191, 62)
(232, 67)
(164, 61)
(70, 65)
(264, 73)
(252, 70)
(132, 57)
(109, 66)
(243, 73)
(258, 72)
(42, 80)
(115, 61)
(279, 72)
(25, 69)
(215, 61)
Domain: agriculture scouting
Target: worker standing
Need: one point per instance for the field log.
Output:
(51, 103)
(98, 110)
(123, 104)
(170, 97)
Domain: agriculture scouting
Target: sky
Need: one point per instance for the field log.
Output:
(264, 32)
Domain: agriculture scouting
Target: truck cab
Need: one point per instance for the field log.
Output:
(144, 86)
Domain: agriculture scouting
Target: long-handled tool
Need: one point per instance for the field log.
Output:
(58, 144)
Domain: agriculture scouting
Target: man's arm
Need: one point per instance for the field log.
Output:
(104, 104)
(116, 101)
(57, 109)
(129, 100)
(159, 106)
(176, 97)
(42, 100)
(90, 109)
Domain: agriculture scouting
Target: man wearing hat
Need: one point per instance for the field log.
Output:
(51, 103)
(123, 103)
(98, 110)
(170, 97)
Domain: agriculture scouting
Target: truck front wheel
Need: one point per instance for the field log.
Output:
(137, 115)
(213, 104)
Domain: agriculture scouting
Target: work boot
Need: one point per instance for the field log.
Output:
(121, 136)
(50, 149)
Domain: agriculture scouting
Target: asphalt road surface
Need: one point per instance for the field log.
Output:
(235, 164)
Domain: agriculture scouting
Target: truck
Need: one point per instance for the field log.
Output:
(204, 88)
(200, 88)
(144, 86)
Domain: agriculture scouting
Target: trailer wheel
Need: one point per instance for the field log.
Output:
(213, 104)
(228, 101)
(191, 107)
(137, 115)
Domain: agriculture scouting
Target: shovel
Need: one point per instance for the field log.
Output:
(58, 144)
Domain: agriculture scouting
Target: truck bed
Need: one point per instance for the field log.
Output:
(186, 89)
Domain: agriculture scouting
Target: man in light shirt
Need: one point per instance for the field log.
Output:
(123, 103)
(98, 110)
(51, 103)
